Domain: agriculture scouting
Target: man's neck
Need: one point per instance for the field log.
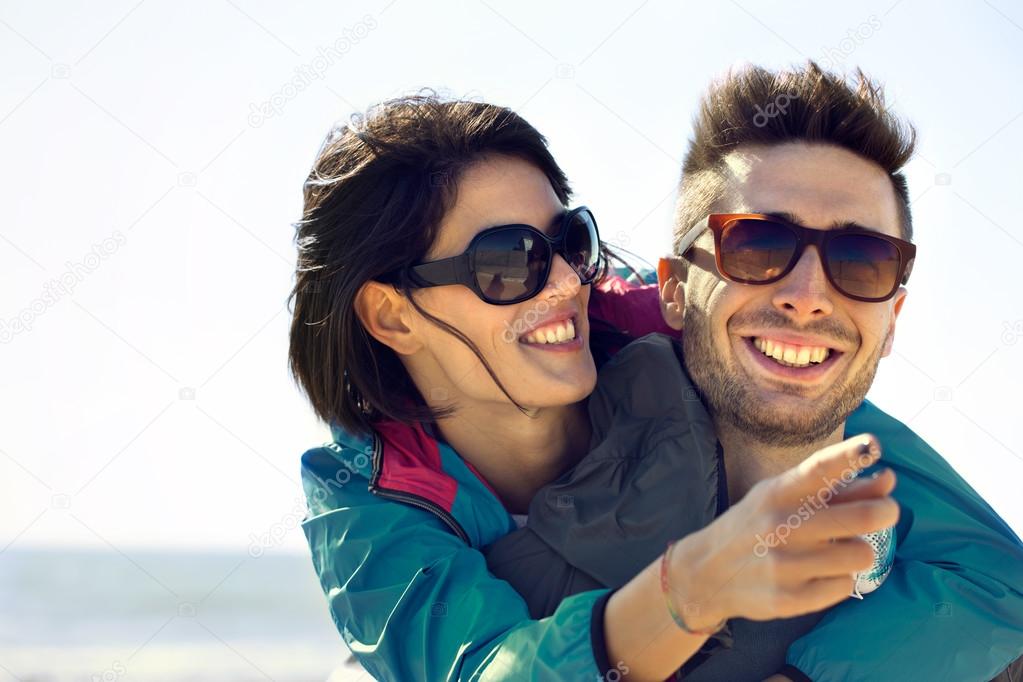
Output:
(749, 461)
(518, 453)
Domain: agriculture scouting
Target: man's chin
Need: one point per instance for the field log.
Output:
(784, 421)
(783, 413)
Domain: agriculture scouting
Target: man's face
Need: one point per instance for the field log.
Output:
(726, 324)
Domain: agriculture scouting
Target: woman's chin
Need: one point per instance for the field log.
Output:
(561, 390)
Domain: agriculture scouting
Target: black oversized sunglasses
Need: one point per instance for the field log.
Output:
(755, 248)
(511, 263)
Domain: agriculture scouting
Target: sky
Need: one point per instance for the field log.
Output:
(152, 161)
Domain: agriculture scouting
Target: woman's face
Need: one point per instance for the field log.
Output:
(513, 338)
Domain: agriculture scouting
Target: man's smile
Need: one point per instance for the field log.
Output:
(791, 358)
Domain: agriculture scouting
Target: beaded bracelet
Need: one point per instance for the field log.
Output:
(666, 589)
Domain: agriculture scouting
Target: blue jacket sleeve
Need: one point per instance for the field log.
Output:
(952, 607)
(414, 602)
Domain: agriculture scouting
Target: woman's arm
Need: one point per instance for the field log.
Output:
(414, 602)
(717, 573)
(952, 606)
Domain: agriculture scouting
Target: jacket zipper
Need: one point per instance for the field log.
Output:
(409, 498)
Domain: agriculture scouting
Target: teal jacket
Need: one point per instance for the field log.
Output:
(952, 606)
(396, 522)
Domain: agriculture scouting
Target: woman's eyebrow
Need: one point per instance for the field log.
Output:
(553, 223)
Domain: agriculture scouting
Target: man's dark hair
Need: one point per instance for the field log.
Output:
(373, 203)
(756, 106)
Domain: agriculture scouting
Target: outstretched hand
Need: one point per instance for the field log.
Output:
(792, 545)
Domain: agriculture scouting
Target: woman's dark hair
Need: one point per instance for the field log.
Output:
(373, 202)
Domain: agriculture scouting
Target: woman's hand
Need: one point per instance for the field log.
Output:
(791, 546)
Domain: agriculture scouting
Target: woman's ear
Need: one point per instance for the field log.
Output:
(384, 313)
(672, 296)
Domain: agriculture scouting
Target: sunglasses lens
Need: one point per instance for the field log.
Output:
(756, 250)
(863, 266)
(582, 245)
(509, 264)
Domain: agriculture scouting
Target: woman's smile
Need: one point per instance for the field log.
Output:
(560, 334)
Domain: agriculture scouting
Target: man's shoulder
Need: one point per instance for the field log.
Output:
(646, 380)
(898, 441)
(902, 448)
(926, 481)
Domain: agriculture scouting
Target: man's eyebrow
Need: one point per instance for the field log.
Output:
(782, 215)
(837, 225)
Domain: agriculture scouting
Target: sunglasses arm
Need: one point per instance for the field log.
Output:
(440, 272)
(691, 236)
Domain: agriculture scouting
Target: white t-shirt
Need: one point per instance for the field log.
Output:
(520, 519)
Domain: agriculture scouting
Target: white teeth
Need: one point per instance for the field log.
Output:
(557, 333)
(792, 356)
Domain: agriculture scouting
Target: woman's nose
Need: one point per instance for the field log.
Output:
(563, 281)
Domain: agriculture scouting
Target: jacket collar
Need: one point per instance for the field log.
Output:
(405, 463)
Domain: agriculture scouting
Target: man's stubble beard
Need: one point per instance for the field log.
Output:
(731, 398)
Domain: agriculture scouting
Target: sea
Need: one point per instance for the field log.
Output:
(115, 616)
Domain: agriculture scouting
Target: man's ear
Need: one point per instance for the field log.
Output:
(672, 295)
(900, 298)
(384, 313)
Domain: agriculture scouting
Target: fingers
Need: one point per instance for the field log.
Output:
(880, 484)
(833, 467)
(849, 520)
(826, 560)
(809, 596)
(821, 593)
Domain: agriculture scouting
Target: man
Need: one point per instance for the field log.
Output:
(831, 161)
(792, 248)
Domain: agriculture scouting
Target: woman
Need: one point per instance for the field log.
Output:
(440, 327)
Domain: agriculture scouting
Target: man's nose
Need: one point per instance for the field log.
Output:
(804, 294)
